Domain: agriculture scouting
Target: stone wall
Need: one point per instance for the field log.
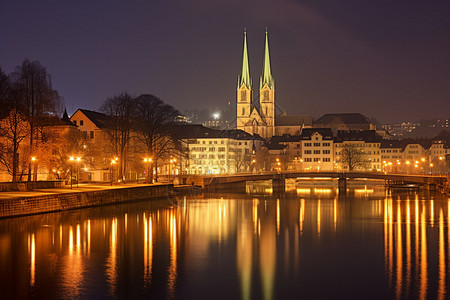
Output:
(58, 202)
(27, 186)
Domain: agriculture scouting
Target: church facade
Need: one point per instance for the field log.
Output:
(251, 117)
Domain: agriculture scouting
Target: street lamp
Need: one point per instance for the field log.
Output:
(148, 161)
(78, 168)
(111, 171)
(33, 163)
(71, 159)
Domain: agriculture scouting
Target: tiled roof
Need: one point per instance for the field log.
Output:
(285, 138)
(97, 118)
(285, 120)
(346, 118)
(369, 136)
(196, 131)
(326, 133)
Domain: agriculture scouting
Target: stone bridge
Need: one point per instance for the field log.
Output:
(230, 182)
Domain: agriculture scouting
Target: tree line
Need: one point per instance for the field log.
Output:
(26, 100)
(140, 125)
(134, 126)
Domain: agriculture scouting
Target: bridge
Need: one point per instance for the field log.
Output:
(238, 181)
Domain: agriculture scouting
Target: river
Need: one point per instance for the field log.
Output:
(311, 243)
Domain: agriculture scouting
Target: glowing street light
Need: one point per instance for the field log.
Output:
(78, 168)
(148, 161)
(71, 159)
(33, 163)
(111, 173)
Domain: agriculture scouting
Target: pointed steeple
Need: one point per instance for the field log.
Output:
(65, 116)
(266, 76)
(244, 79)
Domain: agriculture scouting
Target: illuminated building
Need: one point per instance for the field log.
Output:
(213, 151)
(366, 142)
(317, 149)
(260, 118)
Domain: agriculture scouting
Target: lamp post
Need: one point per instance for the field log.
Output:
(33, 162)
(111, 169)
(71, 159)
(78, 168)
(148, 161)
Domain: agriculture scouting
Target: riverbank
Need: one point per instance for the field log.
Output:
(14, 204)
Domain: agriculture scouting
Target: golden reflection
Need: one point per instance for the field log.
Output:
(148, 249)
(126, 222)
(70, 240)
(60, 237)
(244, 258)
(322, 191)
(278, 216)
(88, 237)
(255, 214)
(364, 191)
(173, 255)
(335, 213)
(111, 262)
(399, 253)
(73, 267)
(432, 213)
(423, 258)
(32, 260)
(303, 191)
(442, 267)
(416, 235)
(78, 239)
(318, 216)
(302, 214)
(408, 244)
(386, 236)
(391, 239)
(267, 259)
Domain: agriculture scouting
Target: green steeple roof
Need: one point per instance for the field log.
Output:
(266, 76)
(244, 79)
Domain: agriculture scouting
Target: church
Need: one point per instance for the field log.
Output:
(260, 118)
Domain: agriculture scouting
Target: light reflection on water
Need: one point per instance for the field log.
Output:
(314, 243)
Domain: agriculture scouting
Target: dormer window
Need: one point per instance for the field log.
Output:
(81, 122)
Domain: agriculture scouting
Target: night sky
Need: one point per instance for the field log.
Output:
(386, 59)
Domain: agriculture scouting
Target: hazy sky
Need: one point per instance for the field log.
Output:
(386, 59)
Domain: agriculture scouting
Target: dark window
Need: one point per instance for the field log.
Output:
(243, 95)
(92, 134)
(81, 122)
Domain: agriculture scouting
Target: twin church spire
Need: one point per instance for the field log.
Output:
(266, 77)
(256, 118)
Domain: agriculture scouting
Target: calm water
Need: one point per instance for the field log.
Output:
(310, 245)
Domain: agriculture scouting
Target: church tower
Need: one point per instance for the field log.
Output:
(267, 93)
(244, 90)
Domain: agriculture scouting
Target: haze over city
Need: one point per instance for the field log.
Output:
(386, 60)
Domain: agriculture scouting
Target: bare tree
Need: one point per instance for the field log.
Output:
(5, 92)
(119, 126)
(14, 128)
(352, 157)
(33, 90)
(155, 121)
